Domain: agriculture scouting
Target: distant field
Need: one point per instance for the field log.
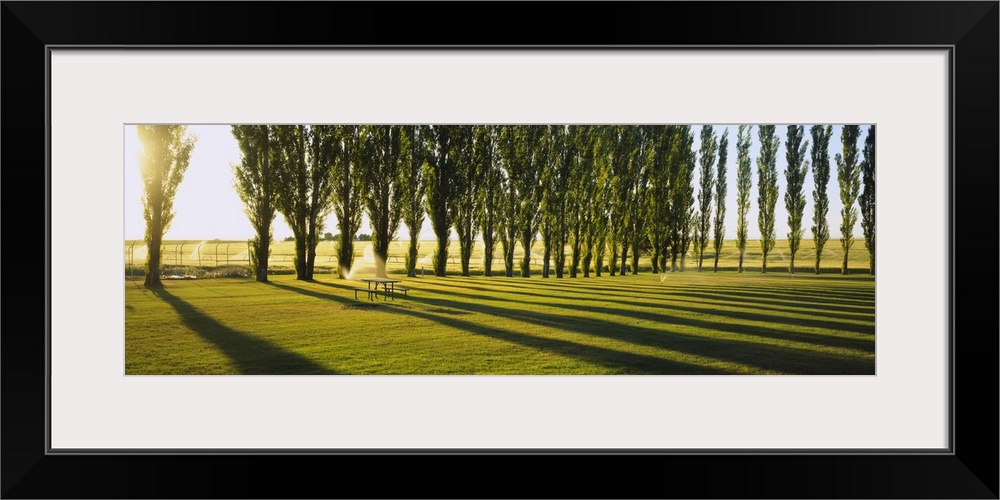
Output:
(675, 323)
(215, 253)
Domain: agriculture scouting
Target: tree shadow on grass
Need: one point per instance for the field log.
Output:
(774, 319)
(808, 295)
(831, 309)
(316, 294)
(250, 354)
(856, 299)
(764, 356)
(626, 362)
(825, 309)
(818, 339)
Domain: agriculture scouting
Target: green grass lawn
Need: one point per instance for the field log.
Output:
(675, 323)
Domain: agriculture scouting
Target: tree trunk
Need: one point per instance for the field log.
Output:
(613, 261)
(763, 266)
(153, 262)
(311, 252)
(465, 254)
(488, 257)
(441, 256)
(300, 256)
(574, 263)
(791, 265)
(508, 258)
(561, 259)
(381, 253)
(635, 258)
(411, 256)
(264, 231)
(844, 267)
(741, 261)
(624, 267)
(526, 242)
(260, 273)
(546, 256)
(345, 254)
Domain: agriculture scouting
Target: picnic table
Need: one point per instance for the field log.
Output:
(388, 285)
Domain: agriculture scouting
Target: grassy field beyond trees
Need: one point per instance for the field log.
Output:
(178, 254)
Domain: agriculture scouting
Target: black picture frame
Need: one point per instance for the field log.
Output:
(969, 471)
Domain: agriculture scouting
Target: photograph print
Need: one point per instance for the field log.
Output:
(499, 249)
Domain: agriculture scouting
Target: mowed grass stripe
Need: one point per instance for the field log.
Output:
(777, 289)
(482, 325)
(816, 313)
(715, 346)
(664, 295)
(443, 301)
(777, 325)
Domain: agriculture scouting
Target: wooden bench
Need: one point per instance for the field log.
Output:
(376, 292)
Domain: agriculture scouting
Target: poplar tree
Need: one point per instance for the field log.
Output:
(620, 146)
(348, 186)
(165, 156)
(867, 199)
(576, 201)
(603, 198)
(657, 202)
(849, 179)
(709, 150)
(821, 178)
(507, 148)
(465, 194)
(440, 173)
(412, 190)
(640, 190)
(293, 188)
(323, 149)
(555, 178)
(681, 194)
(527, 176)
(767, 189)
(255, 181)
(743, 185)
(382, 169)
(795, 177)
(587, 191)
(490, 191)
(720, 197)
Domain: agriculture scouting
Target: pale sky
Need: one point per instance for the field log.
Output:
(207, 206)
